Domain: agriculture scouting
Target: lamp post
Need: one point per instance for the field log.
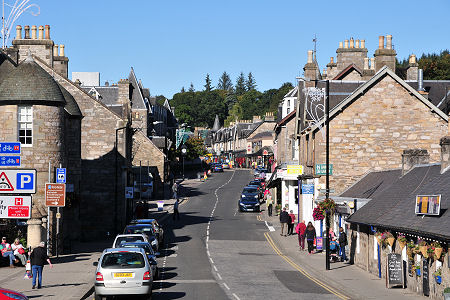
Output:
(327, 192)
(183, 153)
(116, 177)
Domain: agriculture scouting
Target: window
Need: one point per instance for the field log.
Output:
(25, 125)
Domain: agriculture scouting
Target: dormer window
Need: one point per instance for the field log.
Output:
(25, 125)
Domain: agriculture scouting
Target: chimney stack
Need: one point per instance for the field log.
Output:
(366, 63)
(55, 50)
(18, 32)
(381, 42)
(27, 32)
(372, 63)
(363, 43)
(41, 32)
(61, 50)
(346, 44)
(33, 32)
(445, 153)
(412, 73)
(412, 157)
(47, 32)
(357, 44)
(310, 57)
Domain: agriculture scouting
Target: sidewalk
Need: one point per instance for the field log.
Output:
(347, 279)
(72, 275)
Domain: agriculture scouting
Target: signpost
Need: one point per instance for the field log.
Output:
(61, 175)
(15, 207)
(426, 277)
(55, 194)
(10, 148)
(17, 181)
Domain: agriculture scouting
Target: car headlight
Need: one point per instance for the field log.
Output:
(257, 204)
(243, 196)
(256, 196)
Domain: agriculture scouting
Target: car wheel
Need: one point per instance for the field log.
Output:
(99, 297)
(157, 273)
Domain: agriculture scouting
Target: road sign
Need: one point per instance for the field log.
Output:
(17, 181)
(9, 161)
(15, 207)
(10, 148)
(129, 192)
(61, 175)
(308, 189)
(55, 194)
(321, 169)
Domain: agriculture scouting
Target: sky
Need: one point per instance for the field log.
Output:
(172, 43)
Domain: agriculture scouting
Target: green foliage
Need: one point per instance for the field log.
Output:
(250, 84)
(435, 66)
(160, 99)
(207, 85)
(195, 147)
(191, 88)
(240, 85)
(225, 82)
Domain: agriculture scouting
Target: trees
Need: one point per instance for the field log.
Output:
(250, 84)
(225, 82)
(435, 66)
(207, 85)
(191, 88)
(240, 85)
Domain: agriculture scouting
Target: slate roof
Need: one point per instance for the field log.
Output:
(71, 105)
(436, 92)
(7, 65)
(137, 99)
(262, 135)
(372, 184)
(394, 207)
(30, 83)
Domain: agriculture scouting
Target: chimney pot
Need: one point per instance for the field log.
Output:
(61, 50)
(340, 45)
(331, 60)
(47, 32)
(381, 42)
(33, 32)
(310, 57)
(352, 43)
(366, 63)
(27, 32)
(372, 63)
(55, 50)
(41, 32)
(346, 44)
(363, 43)
(357, 44)
(389, 41)
(18, 32)
(325, 71)
(412, 59)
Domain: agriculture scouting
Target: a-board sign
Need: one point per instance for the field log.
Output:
(17, 181)
(15, 207)
(55, 194)
(394, 270)
(319, 243)
(426, 277)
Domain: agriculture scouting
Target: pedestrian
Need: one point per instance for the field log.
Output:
(342, 244)
(140, 210)
(269, 203)
(7, 252)
(176, 213)
(38, 258)
(310, 234)
(284, 220)
(291, 223)
(175, 190)
(300, 229)
(19, 251)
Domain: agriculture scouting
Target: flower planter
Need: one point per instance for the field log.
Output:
(424, 251)
(390, 241)
(438, 252)
(438, 279)
(401, 244)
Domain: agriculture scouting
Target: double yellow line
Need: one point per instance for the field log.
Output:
(295, 266)
(258, 217)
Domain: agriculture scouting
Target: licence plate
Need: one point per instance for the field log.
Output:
(122, 275)
(251, 209)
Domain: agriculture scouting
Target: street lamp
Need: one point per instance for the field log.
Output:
(183, 152)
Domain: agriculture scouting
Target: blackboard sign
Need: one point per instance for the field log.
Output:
(426, 278)
(394, 270)
(410, 268)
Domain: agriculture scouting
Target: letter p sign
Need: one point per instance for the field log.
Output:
(25, 181)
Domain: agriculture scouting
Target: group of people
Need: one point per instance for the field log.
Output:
(287, 221)
(16, 252)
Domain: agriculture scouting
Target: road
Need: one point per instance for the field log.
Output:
(216, 252)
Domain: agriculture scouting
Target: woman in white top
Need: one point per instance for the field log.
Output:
(15, 247)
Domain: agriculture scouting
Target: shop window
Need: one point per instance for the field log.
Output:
(25, 125)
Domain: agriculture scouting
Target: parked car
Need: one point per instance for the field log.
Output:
(249, 200)
(129, 238)
(225, 166)
(218, 168)
(146, 229)
(159, 231)
(6, 294)
(151, 255)
(123, 271)
(258, 185)
(260, 170)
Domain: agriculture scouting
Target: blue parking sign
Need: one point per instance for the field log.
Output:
(25, 181)
(61, 175)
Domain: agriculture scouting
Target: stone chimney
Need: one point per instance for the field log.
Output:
(33, 32)
(27, 32)
(41, 32)
(413, 68)
(445, 153)
(18, 32)
(352, 53)
(331, 68)
(412, 157)
(60, 62)
(124, 97)
(385, 56)
(310, 69)
(256, 119)
(269, 117)
(55, 50)
(47, 32)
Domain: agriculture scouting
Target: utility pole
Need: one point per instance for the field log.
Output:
(327, 193)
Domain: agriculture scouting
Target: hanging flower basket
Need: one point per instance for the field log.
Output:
(424, 251)
(387, 238)
(401, 239)
(328, 205)
(437, 250)
(378, 237)
(318, 214)
(391, 241)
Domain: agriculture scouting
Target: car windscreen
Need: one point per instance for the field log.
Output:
(254, 183)
(123, 260)
(128, 239)
(250, 190)
(148, 230)
(146, 248)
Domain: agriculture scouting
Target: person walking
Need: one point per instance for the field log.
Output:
(38, 258)
(7, 252)
(300, 229)
(284, 220)
(291, 223)
(269, 203)
(310, 234)
(342, 244)
(176, 213)
(175, 190)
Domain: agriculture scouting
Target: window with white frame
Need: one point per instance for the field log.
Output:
(25, 125)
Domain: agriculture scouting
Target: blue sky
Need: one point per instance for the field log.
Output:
(173, 43)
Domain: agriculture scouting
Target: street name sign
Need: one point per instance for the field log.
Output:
(15, 207)
(321, 169)
(9, 161)
(17, 181)
(61, 175)
(55, 194)
(10, 148)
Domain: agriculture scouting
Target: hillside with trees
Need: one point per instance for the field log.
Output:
(435, 66)
(239, 101)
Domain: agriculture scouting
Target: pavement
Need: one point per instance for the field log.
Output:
(72, 275)
(348, 280)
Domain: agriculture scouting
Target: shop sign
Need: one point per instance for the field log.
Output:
(294, 170)
(428, 204)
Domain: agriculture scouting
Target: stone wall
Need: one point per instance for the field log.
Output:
(285, 141)
(372, 132)
(348, 56)
(353, 76)
(40, 48)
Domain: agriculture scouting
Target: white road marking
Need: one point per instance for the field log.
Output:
(220, 277)
(215, 269)
(212, 262)
(270, 227)
(235, 296)
(225, 285)
(207, 251)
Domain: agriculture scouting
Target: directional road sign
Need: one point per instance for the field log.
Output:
(9, 161)
(55, 194)
(15, 207)
(17, 181)
(10, 148)
(61, 175)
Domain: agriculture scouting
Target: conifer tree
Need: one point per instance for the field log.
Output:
(240, 84)
(191, 88)
(225, 82)
(207, 85)
(250, 84)
(183, 90)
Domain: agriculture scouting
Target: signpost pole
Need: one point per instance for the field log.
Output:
(57, 226)
(48, 210)
(327, 194)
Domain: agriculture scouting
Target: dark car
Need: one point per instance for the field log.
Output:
(159, 231)
(151, 255)
(146, 229)
(249, 200)
(218, 168)
(259, 171)
(258, 185)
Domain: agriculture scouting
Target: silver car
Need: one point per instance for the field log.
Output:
(123, 271)
(129, 238)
